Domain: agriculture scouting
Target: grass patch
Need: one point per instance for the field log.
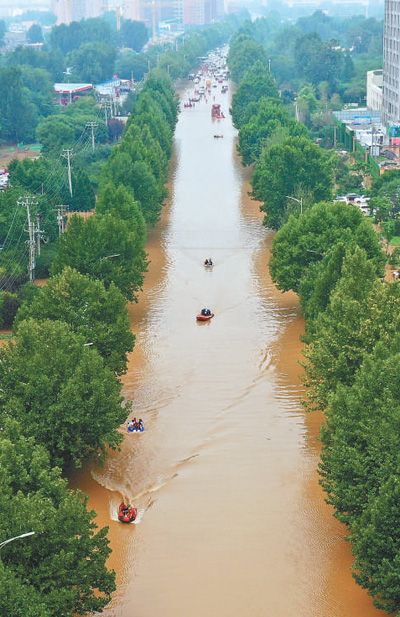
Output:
(395, 241)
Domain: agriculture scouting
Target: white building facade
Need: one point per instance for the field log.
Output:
(391, 63)
(375, 90)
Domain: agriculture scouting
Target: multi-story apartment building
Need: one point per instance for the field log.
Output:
(75, 10)
(200, 12)
(391, 63)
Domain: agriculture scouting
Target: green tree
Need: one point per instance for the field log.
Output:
(139, 177)
(285, 168)
(104, 247)
(92, 62)
(376, 546)
(35, 34)
(38, 82)
(61, 391)
(133, 34)
(50, 60)
(18, 114)
(270, 116)
(119, 202)
(84, 197)
(131, 64)
(318, 61)
(61, 570)
(55, 132)
(309, 239)
(243, 53)
(100, 315)
(256, 83)
(347, 330)
(361, 440)
(66, 38)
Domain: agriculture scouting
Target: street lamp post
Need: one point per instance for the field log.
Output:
(299, 201)
(23, 535)
(110, 256)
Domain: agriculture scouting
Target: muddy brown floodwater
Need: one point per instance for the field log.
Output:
(232, 520)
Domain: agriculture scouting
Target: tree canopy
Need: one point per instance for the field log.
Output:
(309, 238)
(103, 247)
(133, 34)
(98, 314)
(285, 168)
(58, 387)
(61, 569)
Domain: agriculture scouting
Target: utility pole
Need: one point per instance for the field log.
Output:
(61, 212)
(107, 106)
(28, 202)
(92, 126)
(68, 154)
(114, 106)
(38, 234)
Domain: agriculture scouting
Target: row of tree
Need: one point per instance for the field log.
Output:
(289, 168)
(331, 256)
(60, 400)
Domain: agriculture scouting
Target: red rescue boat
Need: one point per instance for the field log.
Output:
(126, 514)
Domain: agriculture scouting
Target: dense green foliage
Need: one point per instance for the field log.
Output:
(104, 247)
(60, 389)
(98, 314)
(331, 257)
(289, 167)
(133, 34)
(140, 162)
(61, 570)
(309, 239)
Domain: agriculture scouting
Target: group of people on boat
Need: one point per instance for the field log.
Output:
(126, 513)
(136, 425)
(206, 312)
(208, 262)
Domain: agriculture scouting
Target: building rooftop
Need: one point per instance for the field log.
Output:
(71, 88)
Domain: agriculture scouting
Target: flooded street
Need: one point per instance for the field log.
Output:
(232, 520)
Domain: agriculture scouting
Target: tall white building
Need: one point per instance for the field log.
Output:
(391, 63)
(375, 90)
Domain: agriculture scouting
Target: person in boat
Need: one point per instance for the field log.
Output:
(205, 312)
(210, 262)
(206, 263)
(140, 425)
(131, 424)
(124, 508)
